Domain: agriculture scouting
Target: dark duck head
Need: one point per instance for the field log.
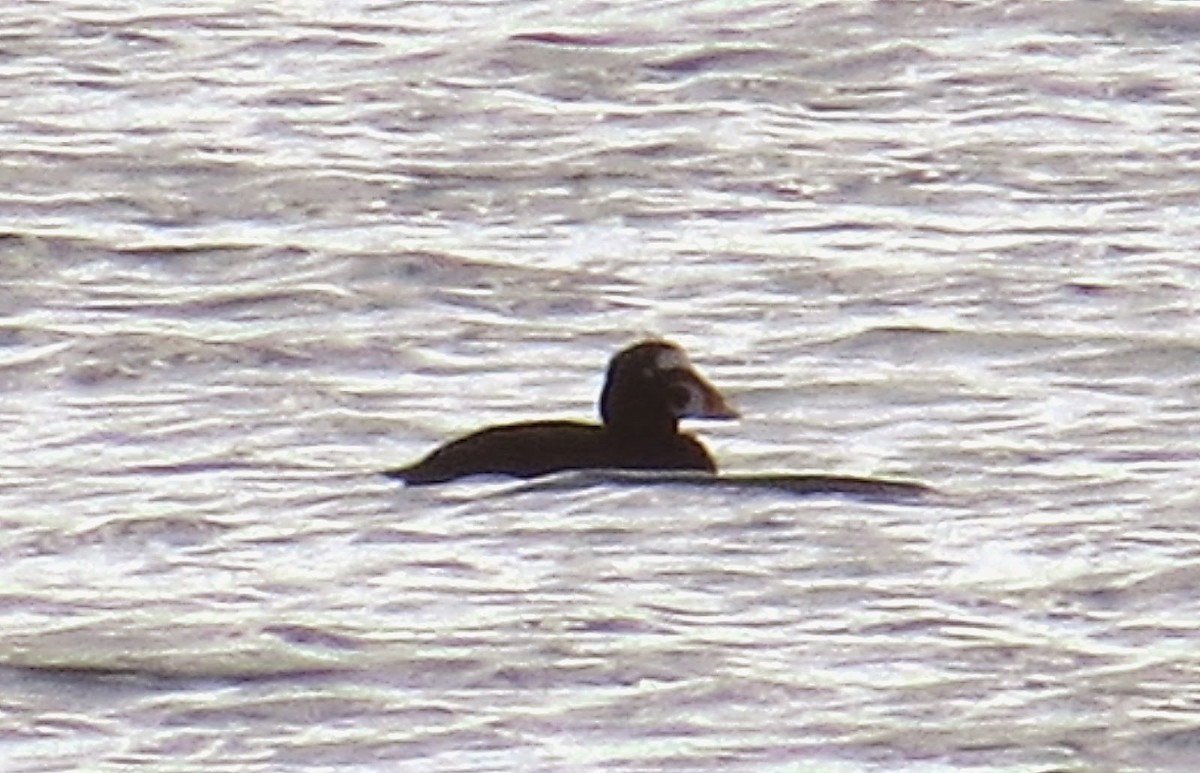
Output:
(649, 387)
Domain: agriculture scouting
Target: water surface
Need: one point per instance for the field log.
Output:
(252, 255)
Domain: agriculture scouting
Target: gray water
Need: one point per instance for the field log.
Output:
(253, 253)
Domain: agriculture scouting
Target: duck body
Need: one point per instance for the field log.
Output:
(648, 388)
(534, 448)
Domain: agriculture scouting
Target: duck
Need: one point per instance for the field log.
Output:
(648, 388)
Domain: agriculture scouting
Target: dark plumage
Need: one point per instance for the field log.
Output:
(649, 387)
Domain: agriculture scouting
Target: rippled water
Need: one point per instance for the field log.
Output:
(254, 253)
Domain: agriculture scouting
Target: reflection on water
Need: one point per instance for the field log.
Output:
(251, 258)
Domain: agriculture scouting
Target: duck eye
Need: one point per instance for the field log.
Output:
(680, 398)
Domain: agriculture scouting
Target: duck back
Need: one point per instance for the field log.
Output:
(530, 449)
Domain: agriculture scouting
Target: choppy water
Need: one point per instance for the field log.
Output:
(253, 253)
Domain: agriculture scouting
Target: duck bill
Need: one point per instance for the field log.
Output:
(706, 402)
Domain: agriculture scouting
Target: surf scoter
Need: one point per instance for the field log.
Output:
(649, 387)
